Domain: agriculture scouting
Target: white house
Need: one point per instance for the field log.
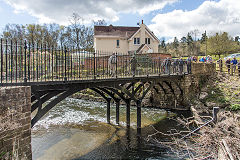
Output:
(125, 40)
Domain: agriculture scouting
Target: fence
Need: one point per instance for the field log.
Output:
(22, 62)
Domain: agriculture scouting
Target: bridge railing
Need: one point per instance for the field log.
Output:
(22, 62)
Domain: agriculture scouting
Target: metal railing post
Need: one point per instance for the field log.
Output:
(1, 62)
(159, 66)
(16, 59)
(116, 65)
(65, 57)
(94, 65)
(215, 112)
(6, 62)
(45, 62)
(11, 62)
(25, 62)
(29, 60)
(52, 63)
(37, 62)
(33, 65)
(57, 62)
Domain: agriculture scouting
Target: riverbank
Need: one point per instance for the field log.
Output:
(218, 140)
(222, 91)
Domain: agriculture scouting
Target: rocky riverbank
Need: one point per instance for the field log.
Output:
(218, 140)
(221, 140)
(88, 95)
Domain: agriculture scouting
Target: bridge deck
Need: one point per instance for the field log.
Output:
(97, 80)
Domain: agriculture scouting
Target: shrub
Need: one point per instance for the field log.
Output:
(235, 107)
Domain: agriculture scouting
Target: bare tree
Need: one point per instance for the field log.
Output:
(100, 23)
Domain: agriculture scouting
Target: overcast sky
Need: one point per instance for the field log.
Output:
(166, 18)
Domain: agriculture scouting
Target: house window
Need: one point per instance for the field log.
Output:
(147, 40)
(136, 40)
(118, 42)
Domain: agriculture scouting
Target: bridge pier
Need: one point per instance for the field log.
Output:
(108, 109)
(138, 103)
(128, 112)
(117, 111)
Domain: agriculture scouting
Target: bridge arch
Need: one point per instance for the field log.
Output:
(126, 90)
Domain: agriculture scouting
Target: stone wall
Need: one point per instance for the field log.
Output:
(15, 123)
(203, 68)
(163, 97)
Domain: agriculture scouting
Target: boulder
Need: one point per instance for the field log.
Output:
(211, 104)
(203, 95)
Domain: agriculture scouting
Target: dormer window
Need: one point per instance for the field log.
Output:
(136, 40)
(147, 40)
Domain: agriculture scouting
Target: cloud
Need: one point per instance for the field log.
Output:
(210, 16)
(59, 11)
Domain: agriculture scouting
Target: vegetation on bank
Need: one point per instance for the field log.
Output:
(218, 140)
(224, 91)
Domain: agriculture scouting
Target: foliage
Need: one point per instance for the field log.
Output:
(162, 46)
(144, 60)
(75, 35)
(235, 107)
(220, 43)
(217, 44)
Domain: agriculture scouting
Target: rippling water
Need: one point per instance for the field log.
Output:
(77, 129)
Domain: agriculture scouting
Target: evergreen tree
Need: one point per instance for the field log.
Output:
(203, 38)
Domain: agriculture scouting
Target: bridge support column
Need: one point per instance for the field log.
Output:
(138, 103)
(117, 111)
(108, 109)
(128, 112)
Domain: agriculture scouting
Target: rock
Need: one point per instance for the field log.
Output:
(211, 104)
(200, 107)
(203, 95)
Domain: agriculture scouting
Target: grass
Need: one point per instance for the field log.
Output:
(235, 107)
(224, 90)
(2, 154)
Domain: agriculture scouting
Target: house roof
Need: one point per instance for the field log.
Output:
(119, 31)
(148, 31)
(141, 47)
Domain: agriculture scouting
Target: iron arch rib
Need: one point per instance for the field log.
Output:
(49, 106)
(110, 94)
(44, 99)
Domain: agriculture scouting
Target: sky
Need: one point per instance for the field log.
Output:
(166, 18)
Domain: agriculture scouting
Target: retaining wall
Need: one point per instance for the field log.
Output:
(15, 123)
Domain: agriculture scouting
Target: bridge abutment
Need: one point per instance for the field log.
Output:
(180, 93)
(15, 123)
(192, 83)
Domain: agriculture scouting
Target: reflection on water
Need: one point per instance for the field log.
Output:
(77, 129)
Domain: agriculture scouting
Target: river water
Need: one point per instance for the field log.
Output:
(77, 129)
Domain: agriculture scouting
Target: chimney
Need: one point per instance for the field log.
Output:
(142, 21)
(110, 27)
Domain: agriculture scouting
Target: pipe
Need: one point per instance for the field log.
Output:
(214, 119)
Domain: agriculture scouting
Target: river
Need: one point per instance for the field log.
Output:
(77, 129)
